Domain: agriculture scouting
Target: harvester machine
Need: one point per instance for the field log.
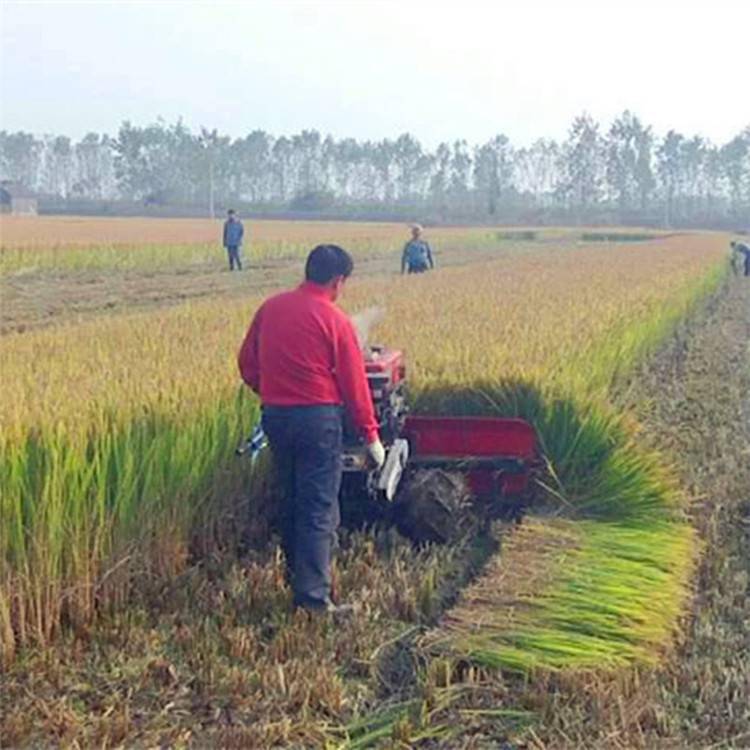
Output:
(435, 466)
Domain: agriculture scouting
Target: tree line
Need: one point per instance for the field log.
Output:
(621, 173)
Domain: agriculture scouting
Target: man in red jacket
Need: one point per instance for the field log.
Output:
(301, 356)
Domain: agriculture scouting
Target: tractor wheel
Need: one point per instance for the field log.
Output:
(432, 506)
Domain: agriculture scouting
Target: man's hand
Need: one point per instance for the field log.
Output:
(376, 452)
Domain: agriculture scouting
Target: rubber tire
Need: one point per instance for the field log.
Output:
(432, 506)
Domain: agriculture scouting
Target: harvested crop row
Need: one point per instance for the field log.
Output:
(573, 594)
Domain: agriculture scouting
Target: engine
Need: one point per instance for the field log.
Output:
(365, 492)
(386, 375)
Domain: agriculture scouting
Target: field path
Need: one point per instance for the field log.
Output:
(700, 407)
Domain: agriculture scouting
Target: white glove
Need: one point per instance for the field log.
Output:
(377, 453)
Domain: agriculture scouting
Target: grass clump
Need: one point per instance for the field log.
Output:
(521, 235)
(617, 237)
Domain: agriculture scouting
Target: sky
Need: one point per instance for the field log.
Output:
(370, 70)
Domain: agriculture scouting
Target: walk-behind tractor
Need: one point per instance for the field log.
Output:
(434, 465)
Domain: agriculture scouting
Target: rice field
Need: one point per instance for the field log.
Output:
(75, 232)
(119, 475)
(45, 232)
(30, 244)
(46, 243)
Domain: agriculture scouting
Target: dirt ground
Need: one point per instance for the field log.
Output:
(696, 402)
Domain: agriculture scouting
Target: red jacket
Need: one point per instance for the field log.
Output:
(302, 349)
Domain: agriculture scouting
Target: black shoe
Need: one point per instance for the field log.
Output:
(341, 612)
(328, 608)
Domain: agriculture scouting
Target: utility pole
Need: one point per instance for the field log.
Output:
(208, 140)
(211, 209)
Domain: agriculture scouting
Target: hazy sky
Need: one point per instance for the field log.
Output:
(440, 70)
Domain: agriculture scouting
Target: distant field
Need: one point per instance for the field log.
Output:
(41, 243)
(50, 231)
(77, 243)
(58, 231)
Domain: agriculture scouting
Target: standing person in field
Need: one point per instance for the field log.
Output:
(417, 255)
(740, 248)
(233, 233)
(301, 356)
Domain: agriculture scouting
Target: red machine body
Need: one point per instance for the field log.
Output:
(389, 363)
(495, 454)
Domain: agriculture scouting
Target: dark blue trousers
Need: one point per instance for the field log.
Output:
(306, 443)
(233, 251)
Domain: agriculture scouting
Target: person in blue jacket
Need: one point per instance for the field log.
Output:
(233, 232)
(740, 248)
(417, 255)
